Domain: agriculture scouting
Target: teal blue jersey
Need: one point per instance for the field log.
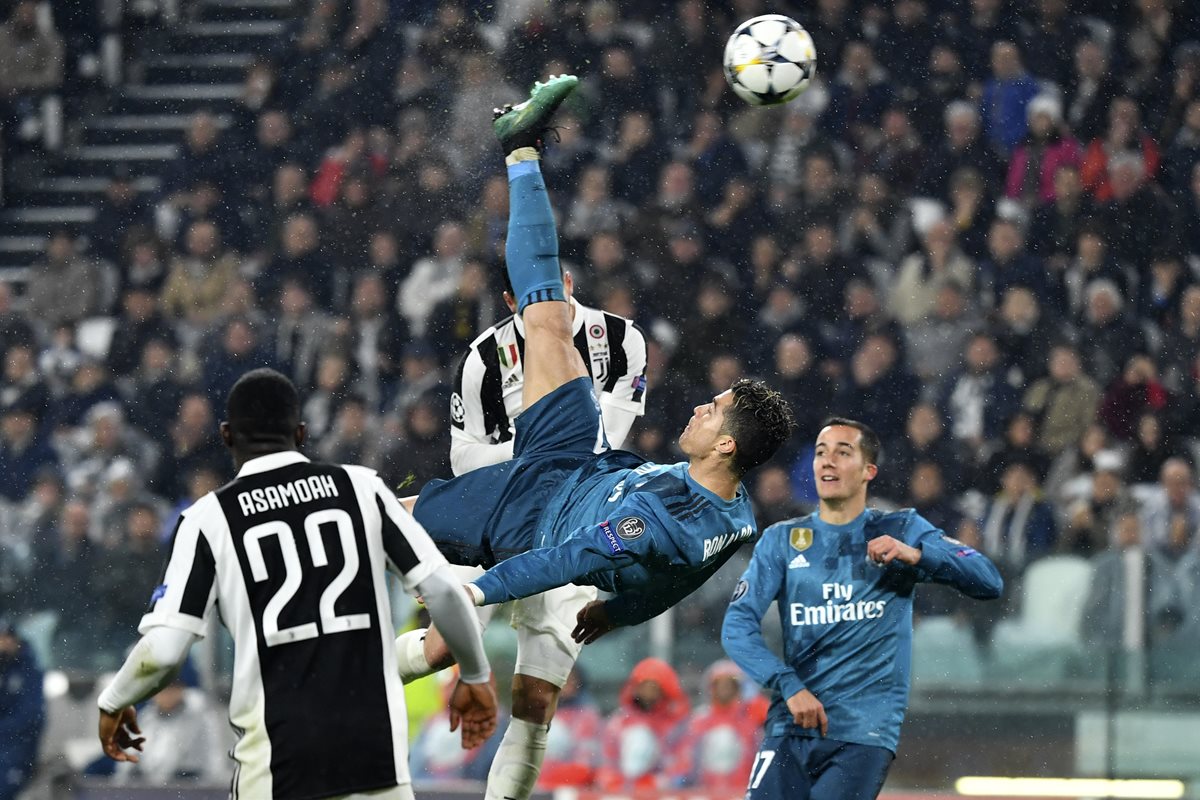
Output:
(847, 623)
(648, 533)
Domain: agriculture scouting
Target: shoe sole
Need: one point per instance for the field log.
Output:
(533, 114)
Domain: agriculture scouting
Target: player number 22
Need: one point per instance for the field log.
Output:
(759, 770)
(294, 574)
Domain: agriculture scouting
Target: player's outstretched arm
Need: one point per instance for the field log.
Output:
(151, 665)
(636, 607)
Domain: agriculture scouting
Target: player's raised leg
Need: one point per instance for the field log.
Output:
(532, 248)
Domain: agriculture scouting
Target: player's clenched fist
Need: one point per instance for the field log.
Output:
(807, 711)
(886, 549)
(119, 732)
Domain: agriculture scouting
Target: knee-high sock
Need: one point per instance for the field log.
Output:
(518, 761)
(532, 249)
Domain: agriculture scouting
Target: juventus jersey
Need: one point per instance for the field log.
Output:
(488, 388)
(293, 555)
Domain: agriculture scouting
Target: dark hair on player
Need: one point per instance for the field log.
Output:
(869, 441)
(263, 405)
(759, 420)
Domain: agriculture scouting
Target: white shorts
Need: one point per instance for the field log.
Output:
(543, 623)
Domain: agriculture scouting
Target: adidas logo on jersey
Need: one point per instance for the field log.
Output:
(798, 562)
(511, 381)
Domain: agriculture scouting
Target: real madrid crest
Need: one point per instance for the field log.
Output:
(801, 538)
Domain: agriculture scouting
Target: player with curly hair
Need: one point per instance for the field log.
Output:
(567, 515)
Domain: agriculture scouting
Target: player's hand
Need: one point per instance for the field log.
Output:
(592, 622)
(117, 732)
(886, 549)
(473, 705)
(807, 711)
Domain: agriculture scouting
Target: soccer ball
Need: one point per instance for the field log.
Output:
(770, 60)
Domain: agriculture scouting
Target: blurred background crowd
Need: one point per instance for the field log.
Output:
(978, 232)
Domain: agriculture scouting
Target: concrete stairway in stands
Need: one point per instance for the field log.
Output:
(195, 64)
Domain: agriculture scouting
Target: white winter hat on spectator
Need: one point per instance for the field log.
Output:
(1108, 461)
(1045, 104)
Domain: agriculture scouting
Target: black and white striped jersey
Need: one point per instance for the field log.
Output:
(293, 554)
(488, 387)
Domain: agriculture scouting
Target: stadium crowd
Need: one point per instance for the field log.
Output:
(978, 231)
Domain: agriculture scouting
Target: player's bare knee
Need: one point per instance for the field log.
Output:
(533, 699)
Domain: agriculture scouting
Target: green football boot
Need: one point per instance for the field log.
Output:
(525, 125)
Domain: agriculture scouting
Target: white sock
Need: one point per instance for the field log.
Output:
(410, 656)
(522, 154)
(518, 761)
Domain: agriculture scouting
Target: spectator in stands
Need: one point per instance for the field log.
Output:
(1140, 210)
(720, 742)
(141, 322)
(638, 738)
(422, 449)
(22, 711)
(1006, 98)
(181, 720)
(1019, 444)
(488, 225)
(300, 257)
(299, 333)
(202, 158)
(774, 499)
(1090, 521)
(926, 492)
(1056, 224)
(879, 226)
(154, 390)
(1124, 135)
(333, 382)
(1173, 508)
(14, 327)
(736, 219)
(103, 436)
(1048, 147)
(1183, 155)
(121, 212)
(1065, 402)
(636, 156)
(1128, 576)
(22, 383)
(67, 287)
(924, 439)
(962, 148)
(89, 385)
(1154, 443)
(142, 263)
(31, 65)
(1093, 261)
(798, 375)
(573, 743)
(978, 399)
(1009, 264)
(1019, 524)
(920, 276)
(1136, 391)
(715, 327)
(1161, 292)
(192, 445)
(456, 321)
(197, 279)
(858, 95)
(1109, 338)
(135, 561)
(68, 564)
(1090, 92)
(237, 349)
(1182, 340)
(355, 437)
(935, 344)
(433, 278)
(24, 450)
(878, 389)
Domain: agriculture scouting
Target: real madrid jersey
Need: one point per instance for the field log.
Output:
(847, 623)
(648, 533)
(488, 387)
